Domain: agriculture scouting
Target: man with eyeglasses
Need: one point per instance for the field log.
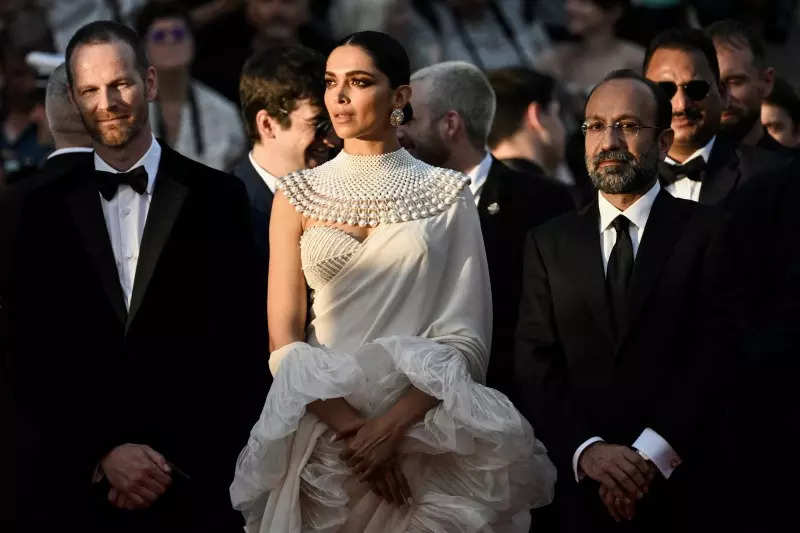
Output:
(701, 164)
(611, 317)
(282, 105)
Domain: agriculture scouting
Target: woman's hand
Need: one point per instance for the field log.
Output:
(391, 484)
(373, 446)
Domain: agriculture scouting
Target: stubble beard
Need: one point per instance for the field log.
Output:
(120, 135)
(630, 177)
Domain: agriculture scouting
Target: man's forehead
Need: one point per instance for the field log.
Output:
(619, 98)
(678, 65)
(734, 56)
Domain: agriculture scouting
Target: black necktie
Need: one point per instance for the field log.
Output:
(109, 182)
(618, 272)
(695, 170)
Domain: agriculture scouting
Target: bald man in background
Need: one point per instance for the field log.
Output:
(73, 147)
(70, 137)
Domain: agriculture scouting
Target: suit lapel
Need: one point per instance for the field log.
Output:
(84, 205)
(722, 173)
(664, 227)
(587, 262)
(168, 198)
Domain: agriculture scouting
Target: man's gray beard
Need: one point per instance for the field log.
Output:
(632, 177)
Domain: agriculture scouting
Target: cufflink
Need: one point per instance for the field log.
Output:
(493, 208)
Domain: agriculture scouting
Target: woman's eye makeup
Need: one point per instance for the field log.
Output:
(361, 82)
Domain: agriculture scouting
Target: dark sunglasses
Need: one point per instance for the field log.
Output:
(160, 36)
(695, 89)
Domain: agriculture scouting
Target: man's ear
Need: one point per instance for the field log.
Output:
(151, 83)
(533, 116)
(450, 124)
(265, 125)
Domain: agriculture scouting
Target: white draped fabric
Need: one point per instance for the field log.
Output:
(411, 306)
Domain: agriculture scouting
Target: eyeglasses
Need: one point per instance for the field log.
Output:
(628, 129)
(160, 36)
(695, 89)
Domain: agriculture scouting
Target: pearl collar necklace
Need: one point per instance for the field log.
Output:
(367, 190)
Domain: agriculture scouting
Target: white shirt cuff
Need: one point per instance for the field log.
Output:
(658, 450)
(579, 475)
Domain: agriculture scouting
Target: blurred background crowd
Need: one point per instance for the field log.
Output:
(200, 46)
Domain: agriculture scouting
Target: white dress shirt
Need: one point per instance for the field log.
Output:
(70, 150)
(270, 180)
(686, 188)
(649, 443)
(125, 215)
(478, 176)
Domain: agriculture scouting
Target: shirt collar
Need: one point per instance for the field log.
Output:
(269, 179)
(479, 173)
(704, 152)
(69, 150)
(637, 213)
(149, 160)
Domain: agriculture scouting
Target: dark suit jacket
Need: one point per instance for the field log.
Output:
(181, 371)
(731, 166)
(763, 338)
(510, 205)
(11, 200)
(260, 208)
(574, 380)
(582, 194)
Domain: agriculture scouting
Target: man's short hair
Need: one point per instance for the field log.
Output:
(515, 88)
(275, 79)
(56, 103)
(687, 40)
(461, 87)
(106, 31)
(733, 34)
(663, 105)
(785, 96)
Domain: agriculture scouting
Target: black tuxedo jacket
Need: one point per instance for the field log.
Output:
(260, 208)
(11, 199)
(574, 380)
(581, 194)
(510, 205)
(182, 370)
(732, 166)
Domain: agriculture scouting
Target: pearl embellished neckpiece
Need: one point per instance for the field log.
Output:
(367, 190)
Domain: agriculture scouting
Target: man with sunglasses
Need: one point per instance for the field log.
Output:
(282, 106)
(611, 319)
(701, 164)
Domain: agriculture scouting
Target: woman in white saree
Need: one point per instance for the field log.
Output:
(377, 420)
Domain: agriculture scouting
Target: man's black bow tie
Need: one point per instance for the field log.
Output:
(109, 182)
(695, 170)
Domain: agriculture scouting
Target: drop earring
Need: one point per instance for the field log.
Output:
(397, 117)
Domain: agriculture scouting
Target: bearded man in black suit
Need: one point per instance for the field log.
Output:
(138, 340)
(454, 105)
(611, 359)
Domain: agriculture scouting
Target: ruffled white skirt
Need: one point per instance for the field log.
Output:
(473, 463)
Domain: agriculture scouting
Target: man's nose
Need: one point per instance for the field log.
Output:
(611, 138)
(681, 101)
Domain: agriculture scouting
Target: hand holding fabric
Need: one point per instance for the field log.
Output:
(373, 445)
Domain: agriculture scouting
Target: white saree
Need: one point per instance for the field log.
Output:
(408, 306)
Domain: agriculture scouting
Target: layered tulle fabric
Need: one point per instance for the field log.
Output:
(472, 463)
(411, 306)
